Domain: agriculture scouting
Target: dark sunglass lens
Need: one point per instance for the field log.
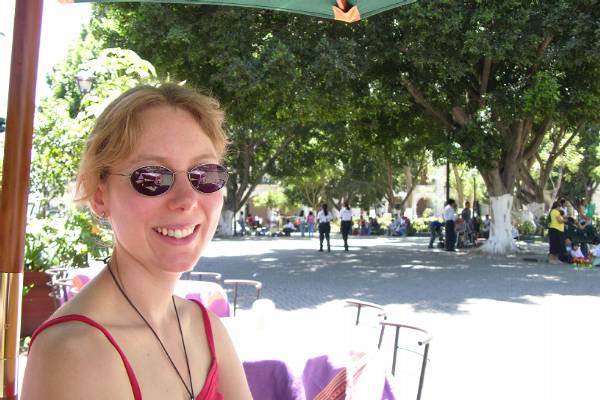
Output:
(152, 181)
(208, 178)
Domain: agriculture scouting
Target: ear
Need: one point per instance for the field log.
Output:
(98, 202)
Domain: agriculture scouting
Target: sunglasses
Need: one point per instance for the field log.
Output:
(154, 180)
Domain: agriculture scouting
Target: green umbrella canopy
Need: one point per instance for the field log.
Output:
(343, 10)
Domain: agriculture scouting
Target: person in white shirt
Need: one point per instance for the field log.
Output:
(324, 217)
(449, 217)
(576, 251)
(346, 218)
(288, 228)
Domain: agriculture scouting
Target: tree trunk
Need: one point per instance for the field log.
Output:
(537, 209)
(459, 187)
(226, 223)
(501, 201)
(500, 241)
(409, 186)
(389, 188)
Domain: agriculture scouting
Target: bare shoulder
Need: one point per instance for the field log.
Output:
(72, 360)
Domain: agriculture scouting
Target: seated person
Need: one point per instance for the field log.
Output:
(595, 254)
(476, 222)
(406, 223)
(375, 228)
(364, 229)
(394, 226)
(514, 232)
(288, 228)
(575, 234)
(459, 225)
(586, 224)
(576, 251)
(485, 230)
(460, 228)
(402, 227)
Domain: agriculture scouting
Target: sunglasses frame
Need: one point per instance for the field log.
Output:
(174, 173)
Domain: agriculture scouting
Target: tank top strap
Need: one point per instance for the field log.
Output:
(135, 387)
(207, 329)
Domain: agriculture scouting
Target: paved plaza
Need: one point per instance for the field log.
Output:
(503, 327)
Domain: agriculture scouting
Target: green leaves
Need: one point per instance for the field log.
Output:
(65, 241)
(59, 235)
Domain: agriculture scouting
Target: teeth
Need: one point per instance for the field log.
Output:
(176, 233)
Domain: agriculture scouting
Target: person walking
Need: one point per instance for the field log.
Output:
(449, 217)
(556, 234)
(242, 223)
(346, 218)
(310, 221)
(324, 218)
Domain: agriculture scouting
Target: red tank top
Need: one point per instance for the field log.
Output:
(208, 392)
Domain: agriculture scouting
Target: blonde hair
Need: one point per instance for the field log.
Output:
(117, 129)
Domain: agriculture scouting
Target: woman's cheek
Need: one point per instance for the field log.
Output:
(213, 203)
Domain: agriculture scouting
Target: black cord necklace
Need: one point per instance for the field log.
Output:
(190, 390)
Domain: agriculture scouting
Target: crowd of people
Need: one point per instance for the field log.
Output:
(460, 229)
(572, 238)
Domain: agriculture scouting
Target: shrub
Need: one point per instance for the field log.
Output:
(526, 228)
(64, 240)
(428, 212)
(420, 225)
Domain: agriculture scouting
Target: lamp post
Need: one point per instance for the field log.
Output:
(85, 80)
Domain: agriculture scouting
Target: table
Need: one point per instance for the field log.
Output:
(285, 361)
(210, 294)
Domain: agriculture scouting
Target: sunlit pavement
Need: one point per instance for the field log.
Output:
(503, 327)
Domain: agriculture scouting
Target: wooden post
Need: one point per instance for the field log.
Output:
(15, 179)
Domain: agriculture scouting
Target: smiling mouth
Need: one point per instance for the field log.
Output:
(176, 233)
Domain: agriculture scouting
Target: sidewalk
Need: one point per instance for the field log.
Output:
(503, 328)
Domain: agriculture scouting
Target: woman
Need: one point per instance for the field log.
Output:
(324, 217)
(310, 221)
(556, 237)
(301, 222)
(150, 169)
(346, 224)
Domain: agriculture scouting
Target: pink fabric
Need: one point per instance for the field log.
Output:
(208, 392)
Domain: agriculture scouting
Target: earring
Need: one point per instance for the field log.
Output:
(103, 218)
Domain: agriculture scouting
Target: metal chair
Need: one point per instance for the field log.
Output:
(59, 284)
(359, 304)
(245, 282)
(423, 342)
(199, 275)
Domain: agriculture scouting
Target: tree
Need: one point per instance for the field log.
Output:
(60, 235)
(582, 180)
(277, 75)
(495, 76)
(559, 147)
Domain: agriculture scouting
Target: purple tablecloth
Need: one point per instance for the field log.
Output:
(323, 378)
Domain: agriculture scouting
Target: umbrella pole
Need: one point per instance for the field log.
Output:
(15, 179)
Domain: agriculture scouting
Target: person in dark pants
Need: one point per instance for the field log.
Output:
(324, 217)
(435, 229)
(449, 217)
(346, 218)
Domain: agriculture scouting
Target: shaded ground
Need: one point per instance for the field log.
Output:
(391, 271)
(504, 328)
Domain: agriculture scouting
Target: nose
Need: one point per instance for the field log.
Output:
(182, 196)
